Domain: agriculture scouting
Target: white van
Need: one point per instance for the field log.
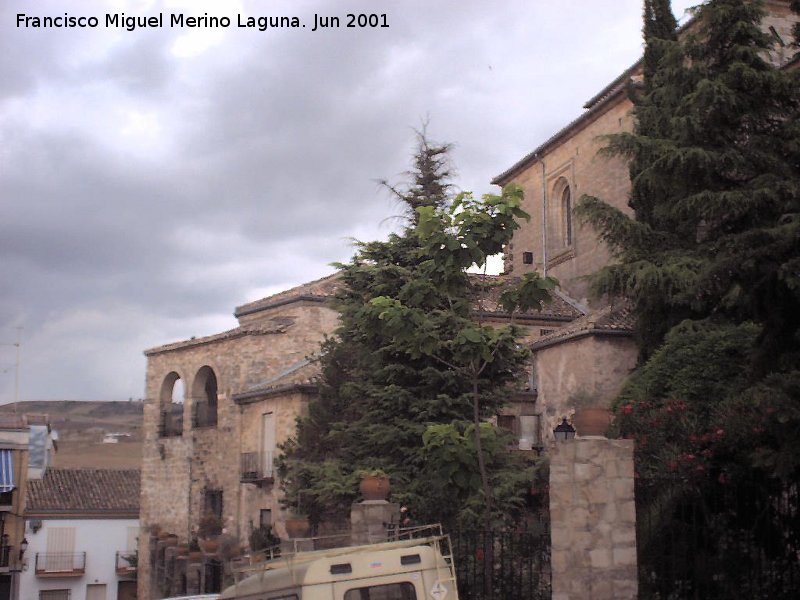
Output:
(411, 569)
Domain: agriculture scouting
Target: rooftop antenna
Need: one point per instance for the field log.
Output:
(18, 344)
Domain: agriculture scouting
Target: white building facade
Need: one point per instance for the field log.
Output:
(82, 528)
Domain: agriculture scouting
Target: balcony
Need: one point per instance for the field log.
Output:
(204, 414)
(126, 563)
(257, 467)
(7, 501)
(60, 564)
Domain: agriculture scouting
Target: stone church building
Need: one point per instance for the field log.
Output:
(217, 407)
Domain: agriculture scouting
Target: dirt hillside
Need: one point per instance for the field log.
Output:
(82, 427)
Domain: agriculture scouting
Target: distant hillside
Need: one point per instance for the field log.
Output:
(81, 427)
(86, 420)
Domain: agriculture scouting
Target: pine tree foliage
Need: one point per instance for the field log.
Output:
(392, 368)
(715, 172)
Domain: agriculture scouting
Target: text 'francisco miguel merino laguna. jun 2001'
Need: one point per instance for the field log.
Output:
(179, 20)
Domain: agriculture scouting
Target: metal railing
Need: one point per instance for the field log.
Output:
(708, 539)
(257, 466)
(171, 423)
(125, 562)
(204, 413)
(5, 553)
(63, 564)
(502, 565)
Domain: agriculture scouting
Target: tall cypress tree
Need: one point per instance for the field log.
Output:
(715, 186)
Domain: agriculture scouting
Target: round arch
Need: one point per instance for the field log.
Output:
(204, 397)
(171, 397)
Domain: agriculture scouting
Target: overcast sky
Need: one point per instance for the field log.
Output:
(152, 180)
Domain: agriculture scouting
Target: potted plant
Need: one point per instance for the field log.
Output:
(591, 417)
(208, 530)
(374, 484)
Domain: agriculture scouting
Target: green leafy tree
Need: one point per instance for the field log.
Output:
(398, 361)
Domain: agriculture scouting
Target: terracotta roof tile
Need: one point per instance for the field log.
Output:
(319, 289)
(559, 309)
(611, 320)
(302, 374)
(85, 491)
(271, 326)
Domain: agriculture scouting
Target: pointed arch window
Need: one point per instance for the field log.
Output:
(566, 211)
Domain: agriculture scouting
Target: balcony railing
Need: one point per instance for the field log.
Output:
(7, 501)
(257, 467)
(204, 414)
(126, 562)
(171, 424)
(60, 564)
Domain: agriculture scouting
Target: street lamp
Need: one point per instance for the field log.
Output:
(564, 431)
(23, 545)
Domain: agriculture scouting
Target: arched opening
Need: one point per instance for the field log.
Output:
(204, 398)
(566, 211)
(171, 406)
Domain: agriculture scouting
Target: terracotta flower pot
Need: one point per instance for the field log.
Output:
(591, 421)
(297, 527)
(374, 487)
(208, 545)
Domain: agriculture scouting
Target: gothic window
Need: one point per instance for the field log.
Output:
(566, 213)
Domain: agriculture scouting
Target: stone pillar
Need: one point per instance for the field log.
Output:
(369, 520)
(593, 519)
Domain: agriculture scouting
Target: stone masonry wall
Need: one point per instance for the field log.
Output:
(286, 409)
(576, 160)
(593, 520)
(594, 365)
(176, 471)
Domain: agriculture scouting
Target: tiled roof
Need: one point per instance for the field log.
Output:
(85, 491)
(557, 310)
(610, 320)
(319, 289)
(272, 326)
(297, 377)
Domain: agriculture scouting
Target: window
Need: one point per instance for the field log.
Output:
(566, 214)
(265, 521)
(54, 595)
(213, 503)
(560, 227)
(525, 429)
(96, 591)
(392, 591)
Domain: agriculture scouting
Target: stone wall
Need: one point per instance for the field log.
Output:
(177, 470)
(594, 365)
(593, 520)
(574, 160)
